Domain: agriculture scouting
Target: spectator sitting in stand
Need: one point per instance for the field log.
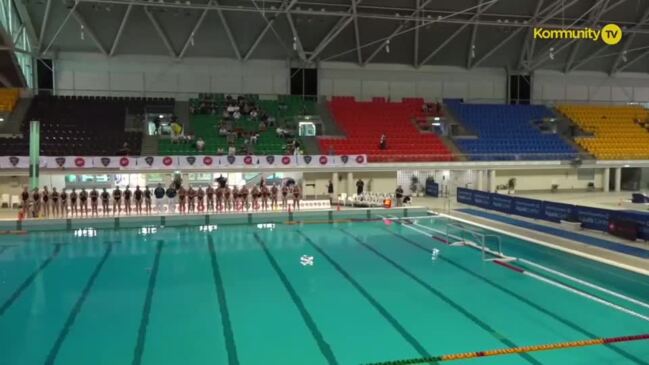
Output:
(220, 151)
(262, 126)
(232, 150)
(383, 143)
(200, 144)
(124, 151)
(253, 114)
(253, 138)
(281, 132)
(223, 131)
(236, 115)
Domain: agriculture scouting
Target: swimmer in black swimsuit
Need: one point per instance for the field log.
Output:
(94, 201)
(83, 199)
(191, 195)
(284, 197)
(64, 203)
(25, 199)
(273, 197)
(255, 197)
(117, 201)
(147, 200)
(210, 198)
(182, 195)
(265, 193)
(73, 203)
(127, 200)
(46, 202)
(200, 196)
(296, 197)
(55, 203)
(137, 195)
(105, 197)
(36, 198)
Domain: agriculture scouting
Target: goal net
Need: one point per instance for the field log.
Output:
(463, 235)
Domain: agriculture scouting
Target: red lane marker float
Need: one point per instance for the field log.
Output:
(509, 266)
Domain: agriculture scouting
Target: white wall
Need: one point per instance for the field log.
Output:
(399, 81)
(589, 87)
(92, 74)
(375, 182)
(567, 179)
(12, 185)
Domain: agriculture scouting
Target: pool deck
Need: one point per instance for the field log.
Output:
(635, 263)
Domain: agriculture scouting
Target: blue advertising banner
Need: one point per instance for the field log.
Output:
(590, 218)
(482, 199)
(593, 218)
(557, 212)
(639, 218)
(502, 203)
(465, 196)
(528, 207)
(432, 189)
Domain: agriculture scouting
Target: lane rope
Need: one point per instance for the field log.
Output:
(516, 350)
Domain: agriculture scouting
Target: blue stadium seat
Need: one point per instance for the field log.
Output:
(506, 132)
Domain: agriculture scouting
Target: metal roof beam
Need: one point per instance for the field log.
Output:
(396, 32)
(228, 30)
(285, 7)
(193, 32)
(454, 35)
(597, 15)
(474, 32)
(627, 43)
(27, 22)
(160, 32)
(529, 42)
(87, 29)
(357, 34)
(344, 20)
(296, 38)
(46, 18)
(118, 35)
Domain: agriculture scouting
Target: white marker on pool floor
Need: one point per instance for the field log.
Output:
(306, 260)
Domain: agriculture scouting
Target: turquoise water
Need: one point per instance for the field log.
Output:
(239, 295)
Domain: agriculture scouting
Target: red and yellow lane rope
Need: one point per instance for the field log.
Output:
(516, 350)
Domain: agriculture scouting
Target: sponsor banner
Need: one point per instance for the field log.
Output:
(482, 199)
(66, 162)
(156, 162)
(593, 218)
(432, 189)
(106, 162)
(502, 203)
(641, 220)
(465, 196)
(14, 162)
(187, 162)
(557, 212)
(530, 208)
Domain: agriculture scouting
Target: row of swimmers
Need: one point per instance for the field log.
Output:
(57, 204)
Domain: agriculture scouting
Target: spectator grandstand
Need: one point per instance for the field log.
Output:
(81, 125)
(617, 130)
(365, 122)
(207, 119)
(506, 132)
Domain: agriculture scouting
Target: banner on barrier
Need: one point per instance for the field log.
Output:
(591, 218)
(183, 162)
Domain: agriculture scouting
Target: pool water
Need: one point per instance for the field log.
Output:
(242, 295)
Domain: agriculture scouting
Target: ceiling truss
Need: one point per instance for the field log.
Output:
(416, 16)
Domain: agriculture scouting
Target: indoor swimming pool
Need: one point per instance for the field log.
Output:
(349, 292)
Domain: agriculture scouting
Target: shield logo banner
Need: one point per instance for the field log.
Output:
(307, 159)
(231, 159)
(149, 160)
(344, 158)
(191, 160)
(270, 159)
(13, 160)
(60, 161)
(105, 161)
(323, 160)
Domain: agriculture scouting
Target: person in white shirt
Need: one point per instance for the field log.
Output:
(200, 144)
